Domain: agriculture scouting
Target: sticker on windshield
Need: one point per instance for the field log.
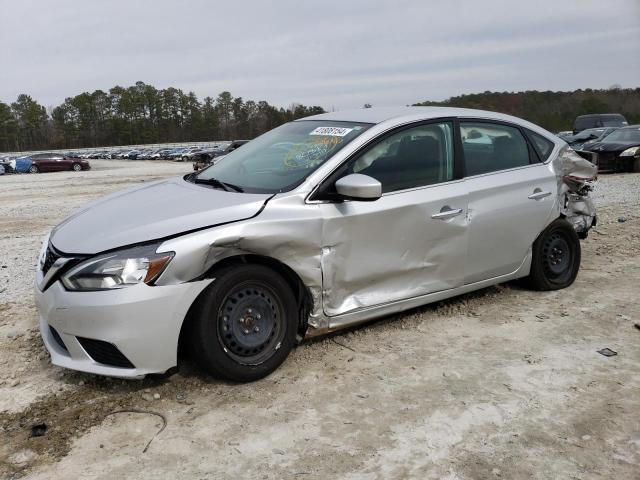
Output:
(332, 131)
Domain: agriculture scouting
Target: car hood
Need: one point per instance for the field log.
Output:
(151, 212)
(611, 146)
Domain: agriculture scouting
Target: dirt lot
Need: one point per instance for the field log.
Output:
(501, 383)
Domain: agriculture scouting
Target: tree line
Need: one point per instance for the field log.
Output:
(142, 114)
(138, 114)
(554, 111)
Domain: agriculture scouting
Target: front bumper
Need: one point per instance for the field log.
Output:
(142, 322)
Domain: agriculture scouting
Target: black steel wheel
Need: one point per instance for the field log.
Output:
(243, 326)
(250, 322)
(555, 257)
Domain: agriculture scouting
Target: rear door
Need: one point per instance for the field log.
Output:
(43, 162)
(58, 163)
(412, 240)
(512, 197)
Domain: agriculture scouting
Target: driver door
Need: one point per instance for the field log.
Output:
(410, 242)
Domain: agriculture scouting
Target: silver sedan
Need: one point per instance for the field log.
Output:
(319, 224)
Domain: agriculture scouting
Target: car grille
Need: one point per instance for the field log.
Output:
(56, 336)
(105, 353)
(50, 258)
(613, 162)
(606, 161)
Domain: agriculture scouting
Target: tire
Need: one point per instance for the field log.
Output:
(244, 324)
(34, 169)
(555, 258)
(77, 167)
(184, 159)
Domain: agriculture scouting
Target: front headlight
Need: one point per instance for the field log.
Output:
(118, 270)
(630, 152)
(43, 252)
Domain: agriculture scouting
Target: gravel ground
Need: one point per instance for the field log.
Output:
(500, 383)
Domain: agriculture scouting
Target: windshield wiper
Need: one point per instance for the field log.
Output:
(214, 182)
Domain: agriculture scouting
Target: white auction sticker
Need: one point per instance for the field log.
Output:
(332, 131)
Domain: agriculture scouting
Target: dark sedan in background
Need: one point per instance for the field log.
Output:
(52, 162)
(618, 151)
(206, 157)
(588, 137)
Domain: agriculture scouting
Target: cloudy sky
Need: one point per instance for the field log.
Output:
(337, 54)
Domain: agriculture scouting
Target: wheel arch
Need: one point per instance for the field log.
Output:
(301, 292)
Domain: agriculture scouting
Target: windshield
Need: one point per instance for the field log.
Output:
(624, 135)
(281, 159)
(612, 120)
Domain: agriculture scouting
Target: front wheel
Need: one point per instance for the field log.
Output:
(77, 167)
(34, 169)
(244, 324)
(555, 258)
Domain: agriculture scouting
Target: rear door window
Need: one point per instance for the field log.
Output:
(490, 147)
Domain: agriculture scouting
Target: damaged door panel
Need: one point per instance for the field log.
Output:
(507, 211)
(393, 248)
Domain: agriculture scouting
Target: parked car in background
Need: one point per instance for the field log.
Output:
(204, 158)
(96, 155)
(604, 133)
(130, 155)
(589, 135)
(564, 134)
(53, 162)
(160, 153)
(227, 148)
(144, 154)
(317, 225)
(8, 164)
(182, 154)
(189, 154)
(114, 154)
(619, 151)
(176, 153)
(148, 154)
(598, 120)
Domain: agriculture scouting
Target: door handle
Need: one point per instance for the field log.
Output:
(538, 194)
(447, 213)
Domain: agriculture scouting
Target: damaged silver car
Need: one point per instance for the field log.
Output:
(319, 224)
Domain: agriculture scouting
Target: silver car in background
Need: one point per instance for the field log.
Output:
(319, 224)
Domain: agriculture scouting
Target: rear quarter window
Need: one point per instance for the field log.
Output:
(541, 145)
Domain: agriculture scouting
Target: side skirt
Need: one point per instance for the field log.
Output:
(362, 315)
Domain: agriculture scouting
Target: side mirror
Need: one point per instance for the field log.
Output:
(359, 187)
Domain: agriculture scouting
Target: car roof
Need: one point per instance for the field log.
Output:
(381, 114)
(398, 114)
(588, 115)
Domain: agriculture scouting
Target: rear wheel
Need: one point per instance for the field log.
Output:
(556, 257)
(34, 169)
(244, 324)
